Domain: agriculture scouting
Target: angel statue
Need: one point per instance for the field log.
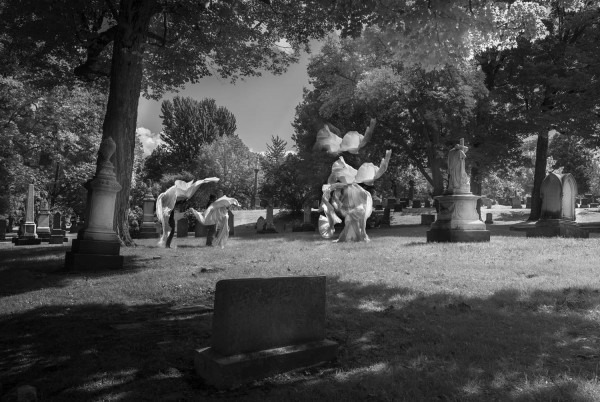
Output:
(344, 195)
(165, 206)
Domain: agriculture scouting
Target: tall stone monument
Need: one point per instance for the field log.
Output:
(97, 245)
(29, 235)
(457, 220)
(43, 225)
(147, 228)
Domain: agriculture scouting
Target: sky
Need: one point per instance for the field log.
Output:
(263, 106)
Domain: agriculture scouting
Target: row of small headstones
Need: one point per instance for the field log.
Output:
(59, 223)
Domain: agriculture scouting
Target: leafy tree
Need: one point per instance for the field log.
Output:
(229, 159)
(569, 153)
(189, 124)
(152, 46)
(276, 150)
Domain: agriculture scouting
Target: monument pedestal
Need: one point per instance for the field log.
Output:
(557, 228)
(147, 228)
(457, 220)
(97, 245)
(227, 371)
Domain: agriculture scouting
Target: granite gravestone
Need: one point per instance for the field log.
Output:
(58, 235)
(558, 192)
(263, 327)
(182, 227)
(3, 224)
(43, 222)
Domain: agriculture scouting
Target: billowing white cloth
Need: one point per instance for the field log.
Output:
(217, 214)
(166, 202)
(352, 201)
(352, 141)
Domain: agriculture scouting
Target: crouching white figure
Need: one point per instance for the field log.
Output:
(165, 206)
(217, 214)
(344, 195)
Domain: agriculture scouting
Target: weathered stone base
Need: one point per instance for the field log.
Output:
(457, 236)
(27, 241)
(149, 235)
(92, 262)
(271, 230)
(228, 371)
(557, 228)
(57, 239)
(427, 219)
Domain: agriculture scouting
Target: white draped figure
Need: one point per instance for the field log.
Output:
(343, 194)
(333, 144)
(217, 214)
(165, 203)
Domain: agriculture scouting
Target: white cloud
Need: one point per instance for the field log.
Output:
(149, 139)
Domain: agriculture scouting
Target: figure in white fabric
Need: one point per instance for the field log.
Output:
(348, 198)
(217, 214)
(333, 144)
(165, 206)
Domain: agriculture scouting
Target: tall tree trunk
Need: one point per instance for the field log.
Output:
(541, 158)
(437, 177)
(121, 110)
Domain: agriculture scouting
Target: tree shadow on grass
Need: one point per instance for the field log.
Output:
(395, 344)
(40, 267)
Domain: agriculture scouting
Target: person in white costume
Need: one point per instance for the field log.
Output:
(343, 194)
(333, 144)
(217, 214)
(165, 205)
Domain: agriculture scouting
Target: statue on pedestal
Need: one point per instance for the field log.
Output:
(458, 181)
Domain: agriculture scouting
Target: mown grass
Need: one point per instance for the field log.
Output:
(516, 319)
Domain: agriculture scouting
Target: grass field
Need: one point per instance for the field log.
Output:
(515, 319)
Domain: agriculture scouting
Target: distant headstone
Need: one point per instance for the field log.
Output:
(43, 222)
(2, 229)
(528, 202)
(427, 219)
(263, 327)
(558, 192)
(269, 226)
(488, 218)
(377, 204)
(386, 219)
(230, 223)
(416, 204)
(11, 222)
(516, 202)
(428, 203)
(73, 228)
(182, 227)
(58, 235)
(147, 229)
(411, 190)
(260, 223)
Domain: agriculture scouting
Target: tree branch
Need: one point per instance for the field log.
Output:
(88, 70)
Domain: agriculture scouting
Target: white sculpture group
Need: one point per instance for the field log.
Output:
(216, 214)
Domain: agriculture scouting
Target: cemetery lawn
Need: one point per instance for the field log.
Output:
(515, 319)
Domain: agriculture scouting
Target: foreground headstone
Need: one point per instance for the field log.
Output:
(28, 235)
(97, 245)
(516, 202)
(263, 327)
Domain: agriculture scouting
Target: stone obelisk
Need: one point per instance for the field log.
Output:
(29, 235)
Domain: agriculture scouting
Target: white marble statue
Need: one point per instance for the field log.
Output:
(344, 195)
(458, 180)
(165, 204)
